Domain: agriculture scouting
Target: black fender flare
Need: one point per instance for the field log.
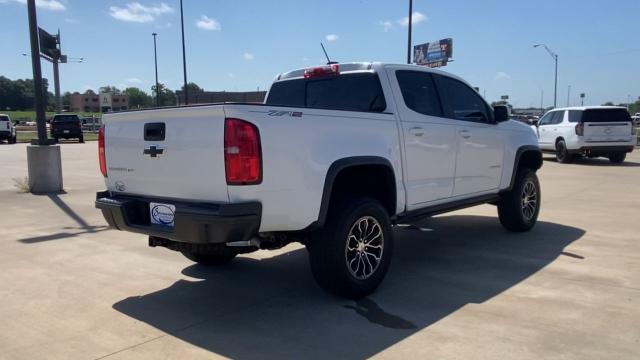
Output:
(516, 164)
(344, 163)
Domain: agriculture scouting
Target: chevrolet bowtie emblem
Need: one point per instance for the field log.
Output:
(153, 151)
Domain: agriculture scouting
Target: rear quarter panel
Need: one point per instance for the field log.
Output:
(297, 151)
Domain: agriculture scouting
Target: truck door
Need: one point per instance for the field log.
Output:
(429, 138)
(480, 142)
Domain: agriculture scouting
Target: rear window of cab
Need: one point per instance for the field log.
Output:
(351, 92)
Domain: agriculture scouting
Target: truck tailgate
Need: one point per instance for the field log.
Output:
(186, 163)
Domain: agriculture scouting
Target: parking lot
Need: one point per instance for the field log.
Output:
(462, 289)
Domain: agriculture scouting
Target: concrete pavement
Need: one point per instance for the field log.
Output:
(72, 289)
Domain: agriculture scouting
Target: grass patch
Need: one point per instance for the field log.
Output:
(26, 136)
(21, 184)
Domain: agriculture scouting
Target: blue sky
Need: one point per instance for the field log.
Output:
(243, 44)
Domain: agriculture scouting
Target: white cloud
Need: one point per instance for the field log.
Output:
(207, 23)
(386, 25)
(248, 56)
(134, 80)
(331, 37)
(52, 5)
(416, 18)
(230, 75)
(502, 76)
(136, 12)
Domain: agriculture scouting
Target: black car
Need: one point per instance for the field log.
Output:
(66, 127)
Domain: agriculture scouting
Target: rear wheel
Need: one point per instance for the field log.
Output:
(81, 139)
(617, 158)
(562, 154)
(13, 139)
(217, 255)
(351, 255)
(519, 208)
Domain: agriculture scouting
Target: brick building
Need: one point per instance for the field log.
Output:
(103, 102)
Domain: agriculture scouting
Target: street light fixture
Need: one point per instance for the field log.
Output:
(555, 87)
(409, 26)
(184, 58)
(155, 54)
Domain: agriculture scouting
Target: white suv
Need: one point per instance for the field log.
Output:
(7, 130)
(587, 131)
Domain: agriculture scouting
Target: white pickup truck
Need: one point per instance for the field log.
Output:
(335, 157)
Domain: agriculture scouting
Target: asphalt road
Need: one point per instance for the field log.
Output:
(570, 289)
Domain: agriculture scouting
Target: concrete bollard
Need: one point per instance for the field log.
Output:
(45, 169)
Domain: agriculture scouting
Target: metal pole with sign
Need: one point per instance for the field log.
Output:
(43, 160)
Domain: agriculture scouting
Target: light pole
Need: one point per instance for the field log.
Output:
(555, 86)
(184, 58)
(155, 55)
(568, 95)
(409, 26)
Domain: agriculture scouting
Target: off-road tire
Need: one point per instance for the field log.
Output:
(214, 255)
(617, 158)
(514, 208)
(340, 244)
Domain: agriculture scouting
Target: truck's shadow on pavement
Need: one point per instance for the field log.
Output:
(273, 309)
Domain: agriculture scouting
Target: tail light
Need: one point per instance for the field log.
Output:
(580, 129)
(332, 69)
(101, 152)
(242, 152)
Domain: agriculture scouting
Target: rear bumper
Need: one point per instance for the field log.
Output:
(73, 134)
(5, 135)
(597, 150)
(196, 223)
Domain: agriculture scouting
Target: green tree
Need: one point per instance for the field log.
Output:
(138, 98)
(193, 88)
(167, 97)
(109, 89)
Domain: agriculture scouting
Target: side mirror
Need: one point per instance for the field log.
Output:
(500, 113)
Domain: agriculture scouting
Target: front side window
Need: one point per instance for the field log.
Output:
(546, 119)
(352, 92)
(460, 101)
(419, 92)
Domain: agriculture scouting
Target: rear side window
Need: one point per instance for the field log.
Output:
(65, 118)
(606, 115)
(460, 101)
(352, 92)
(575, 116)
(419, 92)
(558, 116)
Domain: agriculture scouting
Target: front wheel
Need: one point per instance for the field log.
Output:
(13, 140)
(351, 255)
(519, 208)
(617, 158)
(81, 139)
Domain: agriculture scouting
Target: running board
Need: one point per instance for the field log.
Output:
(418, 214)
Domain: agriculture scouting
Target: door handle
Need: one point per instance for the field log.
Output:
(416, 131)
(465, 133)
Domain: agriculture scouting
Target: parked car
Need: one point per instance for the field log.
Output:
(591, 131)
(66, 126)
(91, 124)
(7, 129)
(335, 157)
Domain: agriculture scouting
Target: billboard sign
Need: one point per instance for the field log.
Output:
(433, 54)
(48, 44)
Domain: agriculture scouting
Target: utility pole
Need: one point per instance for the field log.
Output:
(541, 100)
(409, 26)
(184, 58)
(555, 86)
(38, 90)
(155, 55)
(44, 162)
(568, 95)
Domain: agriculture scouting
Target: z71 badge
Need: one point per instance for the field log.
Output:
(282, 113)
